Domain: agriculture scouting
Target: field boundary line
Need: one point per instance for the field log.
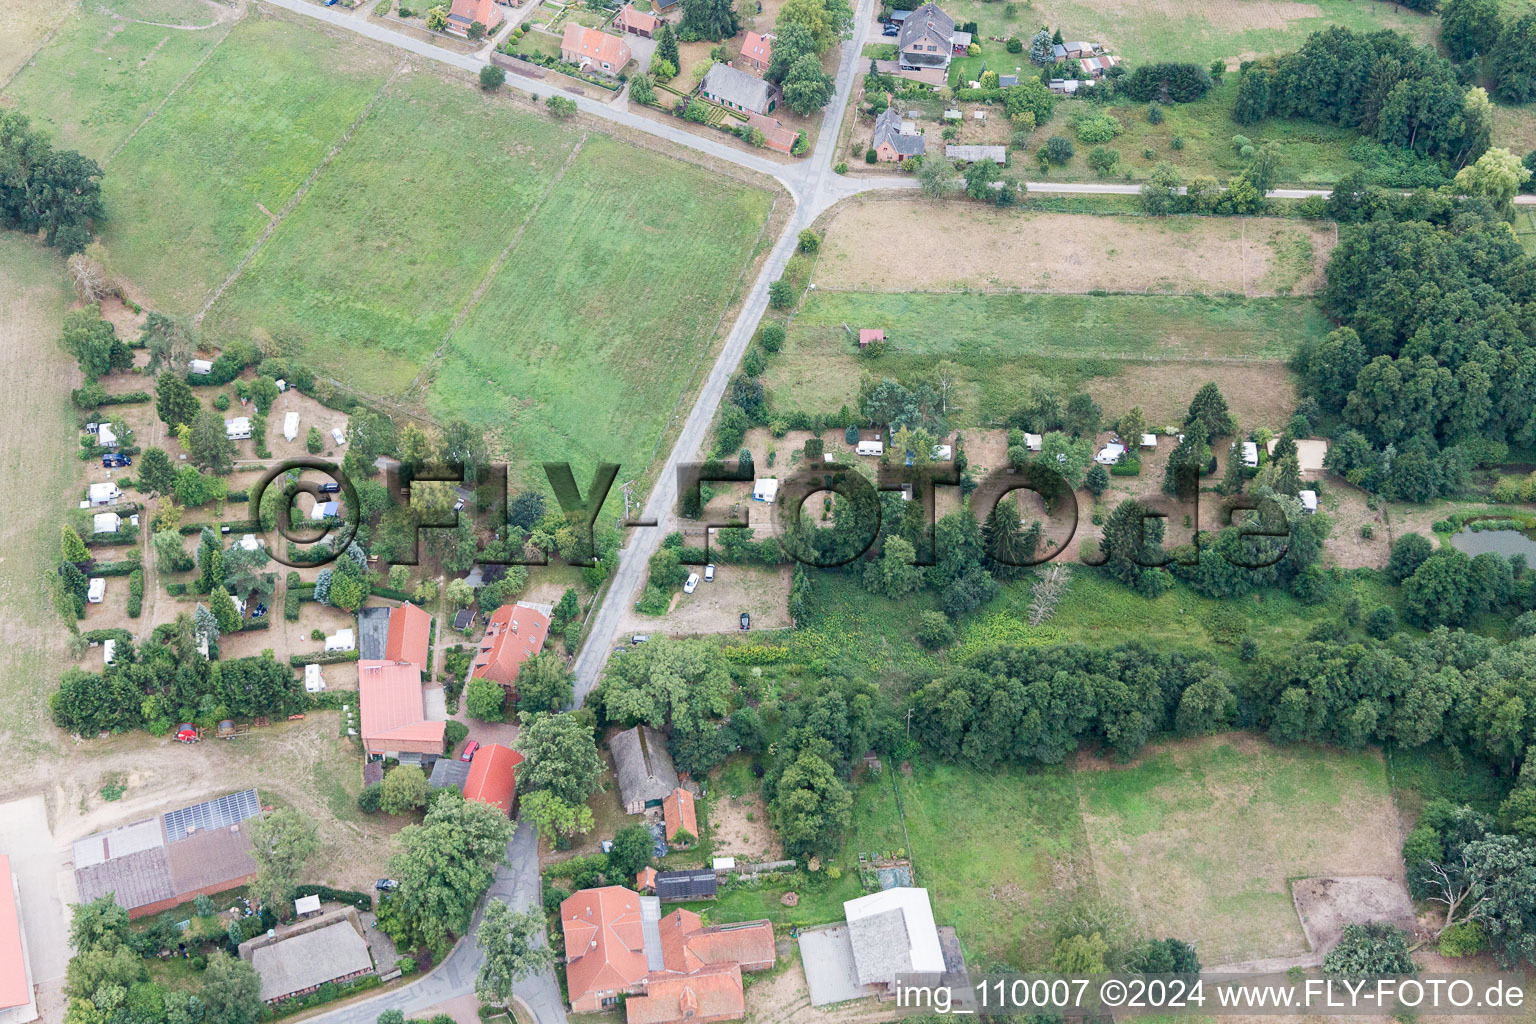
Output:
(299, 193)
(495, 268)
(173, 91)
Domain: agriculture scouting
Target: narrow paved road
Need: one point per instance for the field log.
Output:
(518, 885)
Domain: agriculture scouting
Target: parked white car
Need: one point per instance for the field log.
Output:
(709, 573)
(692, 584)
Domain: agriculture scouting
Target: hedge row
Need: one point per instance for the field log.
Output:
(360, 900)
(135, 593)
(96, 636)
(127, 535)
(125, 568)
(322, 658)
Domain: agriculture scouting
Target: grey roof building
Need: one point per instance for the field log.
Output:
(157, 863)
(971, 154)
(738, 90)
(698, 884)
(927, 38)
(888, 130)
(331, 947)
(449, 773)
(892, 932)
(643, 768)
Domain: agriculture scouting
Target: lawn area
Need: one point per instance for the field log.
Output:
(365, 277)
(100, 77)
(186, 196)
(40, 474)
(1185, 30)
(1095, 609)
(1201, 839)
(1002, 853)
(1006, 343)
(605, 311)
(538, 41)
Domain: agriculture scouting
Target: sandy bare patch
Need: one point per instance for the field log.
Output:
(1062, 252)
(1326, 905)
(739, 827)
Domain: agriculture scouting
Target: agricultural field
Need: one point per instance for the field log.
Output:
(589, 355)
(1004, 344)
(102, 73)
(1202, 839)
(217, 163)
(1006, 250)
(39, 477)
(365, 277)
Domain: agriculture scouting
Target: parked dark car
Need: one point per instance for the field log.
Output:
(330, 488)
(112, 460)
(891, 30)
(386, 885)
(746, 621)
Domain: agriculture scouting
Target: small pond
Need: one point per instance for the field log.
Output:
(1499, 542)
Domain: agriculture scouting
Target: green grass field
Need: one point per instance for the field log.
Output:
(1007, 343)
(1001, 853)
(100, 76)
(186, 196)
(40, 474)
(365, 277)
(605, 308)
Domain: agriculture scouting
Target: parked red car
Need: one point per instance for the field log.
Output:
(469, 750)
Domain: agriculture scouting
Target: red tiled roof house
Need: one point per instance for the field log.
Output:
(410, 632)
(464, 13)
(394, 720)
(594, 51)
(15, 985)
(493, 777)
(604, 947)
(757, 51)
(608, 955)
(515, 633)
(636, 22)
(678, 813)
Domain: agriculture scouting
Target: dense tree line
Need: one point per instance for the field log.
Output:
(1037, 705)
(1175, 83)
(166, 680)
(1381, 84)
(57, 192)
(1430, 318)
